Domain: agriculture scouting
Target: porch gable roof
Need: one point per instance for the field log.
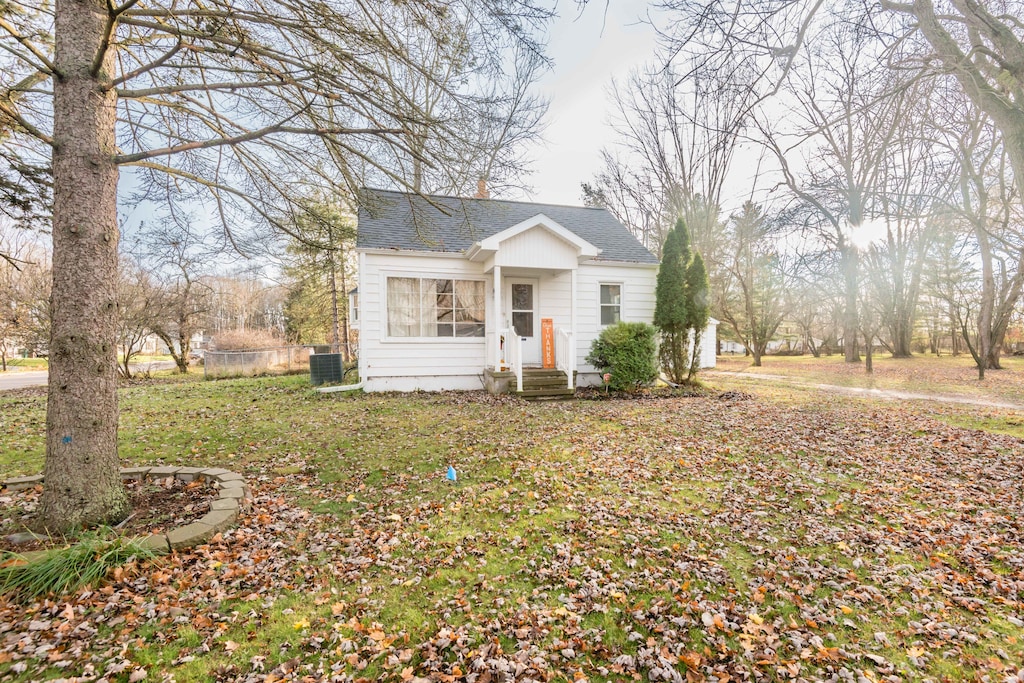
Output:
(487, 247)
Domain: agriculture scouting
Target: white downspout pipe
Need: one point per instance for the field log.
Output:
(498, 327)
(362, 359)
(572, 328)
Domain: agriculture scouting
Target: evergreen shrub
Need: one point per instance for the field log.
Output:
(628, 352)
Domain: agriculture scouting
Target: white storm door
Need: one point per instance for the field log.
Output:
(522, 308)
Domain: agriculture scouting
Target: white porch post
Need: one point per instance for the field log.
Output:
(572, 319)
(572, 329)
(498, 328)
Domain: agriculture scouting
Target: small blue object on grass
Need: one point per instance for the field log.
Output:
(451, 476)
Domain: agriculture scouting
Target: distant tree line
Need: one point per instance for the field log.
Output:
(880, 196)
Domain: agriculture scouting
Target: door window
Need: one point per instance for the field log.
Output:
(522, 308)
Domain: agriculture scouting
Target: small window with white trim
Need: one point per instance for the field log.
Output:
(611, 303)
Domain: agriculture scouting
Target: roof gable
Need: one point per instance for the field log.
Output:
(489, 245)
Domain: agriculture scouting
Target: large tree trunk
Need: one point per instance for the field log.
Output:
(848, 254)
(902, 338)
(987, 304)
(1003, 312)
(954, 332)
(184, 348)
(332, 284)
(82, 485)
(345, 330)
(695, 356)
(179, 358)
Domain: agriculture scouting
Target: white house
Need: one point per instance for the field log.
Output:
(460, 293)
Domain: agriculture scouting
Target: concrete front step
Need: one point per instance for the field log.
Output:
(549, 392)
(535, 383)
(545, 384)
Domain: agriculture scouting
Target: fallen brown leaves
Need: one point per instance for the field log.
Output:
(693, 539)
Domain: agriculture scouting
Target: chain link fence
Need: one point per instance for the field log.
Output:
(277, 360)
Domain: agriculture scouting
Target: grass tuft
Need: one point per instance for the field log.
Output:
(59, 571)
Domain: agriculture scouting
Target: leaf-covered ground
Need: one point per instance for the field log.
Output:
(738, 536)
(947, 376)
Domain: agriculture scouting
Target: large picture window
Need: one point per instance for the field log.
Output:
(428, 307)
(611, 304)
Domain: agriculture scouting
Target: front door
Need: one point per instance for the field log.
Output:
(521, 302)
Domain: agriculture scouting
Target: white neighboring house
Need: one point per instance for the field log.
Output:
(453, 291)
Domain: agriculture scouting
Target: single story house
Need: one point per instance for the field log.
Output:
(464, 293)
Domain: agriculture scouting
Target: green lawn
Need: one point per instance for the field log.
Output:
(954, 376)
(30, 363)
(141, 358)
(774, 533)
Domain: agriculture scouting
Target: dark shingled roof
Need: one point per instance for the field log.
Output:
(397, 220)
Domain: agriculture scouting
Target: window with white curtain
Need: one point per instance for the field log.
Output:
(428, 307)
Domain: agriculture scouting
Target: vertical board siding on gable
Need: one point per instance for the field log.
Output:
(384, 357)
(536, 248)
(638, 284)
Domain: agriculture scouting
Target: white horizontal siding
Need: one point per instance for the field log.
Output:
(556, 299)
(425, 383)
(383, 357)
(637, 300)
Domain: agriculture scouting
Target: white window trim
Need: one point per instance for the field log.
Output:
(622, 301)
(386, 338)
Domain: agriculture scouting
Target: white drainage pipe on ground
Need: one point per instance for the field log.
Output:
(341, 387)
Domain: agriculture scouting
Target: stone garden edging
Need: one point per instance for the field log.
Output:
(233, 497)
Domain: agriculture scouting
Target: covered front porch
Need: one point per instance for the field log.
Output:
(532, 345)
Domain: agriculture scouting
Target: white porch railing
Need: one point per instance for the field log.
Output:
(514, 355)
(565, 353)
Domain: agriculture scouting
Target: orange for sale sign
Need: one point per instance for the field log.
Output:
(547, 342)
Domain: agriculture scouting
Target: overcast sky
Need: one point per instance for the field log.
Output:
(589, 48)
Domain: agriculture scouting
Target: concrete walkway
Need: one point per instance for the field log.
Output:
(21, 379)
(893, 394)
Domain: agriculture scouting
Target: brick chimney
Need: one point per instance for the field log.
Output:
(481, 189)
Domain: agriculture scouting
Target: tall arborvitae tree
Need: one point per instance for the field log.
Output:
(670, 314)
(697, 308)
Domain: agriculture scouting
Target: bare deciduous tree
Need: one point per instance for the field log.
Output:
(754, 299)
(982, 45)
(235, 100)
(178, 258)
(138, 306)
(988, 204)
(24, 293)
(849, 111)
(678, 129)
(978, 45)
(918, 174)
